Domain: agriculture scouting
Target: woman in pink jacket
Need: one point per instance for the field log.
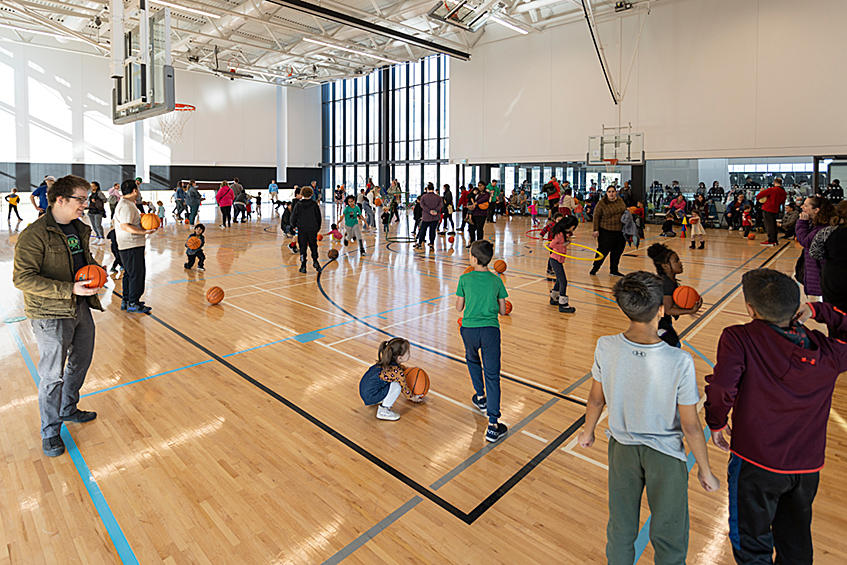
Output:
(224, 198)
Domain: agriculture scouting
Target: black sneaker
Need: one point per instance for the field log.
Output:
(303, 268)
(566, 309)
(593, 272)
(554, 302)
(481, 405)
(53, 446)
(138, 309)
(317, 265)
(432, 248)
(123, 304)
(616, 273)
(495, 432)
(79, 417)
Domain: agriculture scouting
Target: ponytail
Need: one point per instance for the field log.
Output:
(390, 351)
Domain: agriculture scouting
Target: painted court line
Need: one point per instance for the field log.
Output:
(391, 326)
(229, 305)
(533, 436)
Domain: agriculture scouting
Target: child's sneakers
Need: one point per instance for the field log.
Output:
(495, 432)
(480, 403)
(566, 309)
(383, 413)
(345, 241)
(201, 268)
(317, 265)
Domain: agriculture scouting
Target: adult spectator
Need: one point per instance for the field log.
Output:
(273, 192)
(131, 240)
(59, 308)
(816, 215)
(114, 197)
(494, 189)
(225, 197)
(96, 210)
(716, 192)
(240, 206)
(701, 189)
(431, 205)
(701, 205)
(236, 187)
(370, 221)
(41, 194)
(789, 221)
(316, 192)
(677, 206)
(193, 199)
(835, 194)
(448, 209)
(554, 193)
(750, 184)
(179, 200)
(734, 212)
(771, 200)
(522, 202)
(626, 193)
(478, 206)
(830, 248)
(608, 230)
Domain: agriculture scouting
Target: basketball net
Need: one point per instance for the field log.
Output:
(610, 165)
(173, 123)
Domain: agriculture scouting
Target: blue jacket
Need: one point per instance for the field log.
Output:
(373, 389)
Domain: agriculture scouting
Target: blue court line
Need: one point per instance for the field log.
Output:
(695, 350)
(307, 337)
(144, 379)
(107, 517)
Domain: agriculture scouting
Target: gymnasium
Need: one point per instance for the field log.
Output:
(229, 363)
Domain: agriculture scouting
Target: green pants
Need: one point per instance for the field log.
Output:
(631, 469)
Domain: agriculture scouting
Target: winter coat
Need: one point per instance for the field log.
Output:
(806, 233)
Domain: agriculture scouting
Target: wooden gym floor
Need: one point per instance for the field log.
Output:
(235, 433)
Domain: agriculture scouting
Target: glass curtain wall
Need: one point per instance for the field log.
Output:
(391, 124)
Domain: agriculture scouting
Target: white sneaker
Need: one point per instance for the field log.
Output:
(383, 413)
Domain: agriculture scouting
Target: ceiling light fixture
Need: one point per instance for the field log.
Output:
(504, 23)
(364, 53)
(179, 8)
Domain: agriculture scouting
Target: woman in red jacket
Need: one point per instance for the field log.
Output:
(224, 198)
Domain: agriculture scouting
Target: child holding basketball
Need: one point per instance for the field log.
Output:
(561, 234)
(382, 383)
(482, 297)
(651, 393)
(697, 230)
(777, 377)
(198, 252)
(668, 266)
(161, 213)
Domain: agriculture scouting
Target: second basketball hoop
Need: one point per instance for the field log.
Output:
(173, 123)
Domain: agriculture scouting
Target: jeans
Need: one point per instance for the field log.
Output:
(135, 273)
(486, 340)
(61, 340)
(240, 209)
(96, 224)
(431, 226)
(612, 244)
(192, 213)
(560, 287)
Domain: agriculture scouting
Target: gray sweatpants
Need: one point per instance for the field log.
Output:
(60, 340)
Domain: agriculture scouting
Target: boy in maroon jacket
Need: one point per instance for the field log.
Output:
(777, 377)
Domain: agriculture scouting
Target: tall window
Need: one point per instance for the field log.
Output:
(391, 124)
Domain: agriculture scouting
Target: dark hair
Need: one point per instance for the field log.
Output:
(747, 207)
(128, 186)
(65, 188)
(349, 198)
(430, 186)
(333, 226)
(95, 183)
(661, 255)
(483, 250)
(790, 205)
(563, 225)
(201, 226)
(774, 295)
(390, 351)
(306, 192)
(568, 191)
(639, 295)
(777, 181)
(234, 179)
(825, 211)
(840, 214)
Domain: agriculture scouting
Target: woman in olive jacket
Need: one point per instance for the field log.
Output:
(608, 229)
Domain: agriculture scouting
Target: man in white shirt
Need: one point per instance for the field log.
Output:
(131, 241)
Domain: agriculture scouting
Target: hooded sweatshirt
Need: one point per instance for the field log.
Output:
(779, 391)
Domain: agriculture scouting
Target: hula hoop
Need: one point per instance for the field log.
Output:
(532, 236)
(597, 258)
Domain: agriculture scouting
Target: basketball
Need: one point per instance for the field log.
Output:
(417, 381)
(751, 236)
(320, 237)
(332, 254)
(508, 308)
(186, 220)
(633, 209)
(149, 221)
(500, 266)
(694, 220)
(468, 270)
(685, 297)
(459, 321)
(193, 242)
(94, 273)
(451, 239)
(378, 202)
(214, 295)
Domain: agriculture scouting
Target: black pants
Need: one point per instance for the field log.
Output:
(770, 510)
(667, 333)
(465, 214)
(769, 219)
(225, 215)
(135, 274)
(448, 218)
(611, 244)
(240, 209)
(14, 208)
(477, 228)
(200, 256)
(431, 226)
(116, 252)
(307, 239)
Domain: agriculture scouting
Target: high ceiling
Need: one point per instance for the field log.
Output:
(277, 43)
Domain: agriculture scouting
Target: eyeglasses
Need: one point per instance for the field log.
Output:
(81, 199)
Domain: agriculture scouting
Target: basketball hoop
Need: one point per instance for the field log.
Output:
(172, 123)
(610, 165)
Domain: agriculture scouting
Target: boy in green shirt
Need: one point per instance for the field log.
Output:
(482, 297)
(352, 215)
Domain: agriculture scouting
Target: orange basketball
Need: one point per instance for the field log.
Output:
(378, 202)
(685, 297)
(94, 273)
(451, 239)
(193, 242)
(214, 295)
(320, 237)
(633, 209)
(500, 266)
(508, 307)
(332, 254)
(417, 381)
(459, 321)
(149, 221)
(186, 220)
(751, 236)
(468, 270)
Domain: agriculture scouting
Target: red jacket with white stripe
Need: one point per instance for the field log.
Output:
(779, 393)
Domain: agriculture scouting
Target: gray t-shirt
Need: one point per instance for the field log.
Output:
(127, 212)
(643, 385)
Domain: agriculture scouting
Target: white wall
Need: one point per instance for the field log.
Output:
(55, 107)
(712, 78)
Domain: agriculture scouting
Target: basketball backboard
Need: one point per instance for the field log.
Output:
(627, 148)
(141, 60)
